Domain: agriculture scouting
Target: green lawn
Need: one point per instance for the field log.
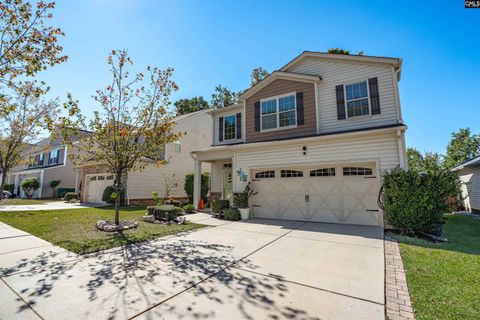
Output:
(18, 201)
(75, 229)
(444, 278)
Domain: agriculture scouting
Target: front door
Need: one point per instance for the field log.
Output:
(227, 185)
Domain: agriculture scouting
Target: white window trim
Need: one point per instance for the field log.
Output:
(368, 98)
(277, 113)
(235, 134)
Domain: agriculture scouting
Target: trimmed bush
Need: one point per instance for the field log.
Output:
(71, 196)
(416, 202)
(175, 203)
(9, 187)
(219, 205)
(232, 214)
(110, 194)
(204, 186)
(165, 212)
(189, 208)
(29, 186)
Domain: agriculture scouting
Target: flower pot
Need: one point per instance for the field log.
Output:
(244, 213)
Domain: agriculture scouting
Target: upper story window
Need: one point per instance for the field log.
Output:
(278, 112)
(176, 147)
(357, 99)
(229, 127)
(41, 159)
(53, 158)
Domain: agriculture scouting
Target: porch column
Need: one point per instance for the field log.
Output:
(197, 182)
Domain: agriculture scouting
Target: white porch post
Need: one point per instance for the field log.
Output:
(197, 180)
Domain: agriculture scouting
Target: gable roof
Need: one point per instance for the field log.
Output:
(279, 75)
(395, 62)
(470, 163)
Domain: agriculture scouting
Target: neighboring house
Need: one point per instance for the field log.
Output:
(93, 178)
(312, 138)
(469, 175)
(46, 160)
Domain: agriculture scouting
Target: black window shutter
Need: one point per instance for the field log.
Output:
(374, 96)
(300, 117)
(220, 129)
(340, 102)
(239, 126)
(257, 115)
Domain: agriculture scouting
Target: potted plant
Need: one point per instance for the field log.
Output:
(241, 201)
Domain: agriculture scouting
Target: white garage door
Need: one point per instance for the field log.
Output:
(96, 184)
(336, 194)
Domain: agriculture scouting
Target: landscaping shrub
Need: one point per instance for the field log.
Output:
(29, 186)
(71, 196)
(416, 202)
(204, 186)
(54, 185)
(175, 203)
(232, 214)
(9, 187)
(189, 208)
(219, 205)
(110, 194)
(240, 200)
(63, 191)
(168, 212)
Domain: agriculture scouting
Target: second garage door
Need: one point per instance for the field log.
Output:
(336, 194)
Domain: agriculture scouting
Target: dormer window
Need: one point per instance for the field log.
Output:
(278, 112)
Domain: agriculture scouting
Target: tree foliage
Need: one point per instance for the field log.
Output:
(184, 106)
(132, 124)
(188, 186)
(28, 43)
(462, 147)
(28, 114)
(338, 51)
(257, 75)
(223, 97)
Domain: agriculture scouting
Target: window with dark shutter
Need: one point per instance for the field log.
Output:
(220, 129)
(340, 102)
(374, 96)
(300, 117)
(257, 115)
(239, 126)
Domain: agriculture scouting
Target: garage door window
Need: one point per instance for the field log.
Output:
(324, 172)
(357, 171)
(94, 178)
(291, 173)
(265, 174)
(110, 177)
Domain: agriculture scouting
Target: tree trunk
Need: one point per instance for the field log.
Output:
(118, 190)
(2, 184)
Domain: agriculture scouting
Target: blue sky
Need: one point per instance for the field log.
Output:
(220, 42)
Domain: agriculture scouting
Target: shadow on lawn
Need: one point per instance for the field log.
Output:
(122, 282)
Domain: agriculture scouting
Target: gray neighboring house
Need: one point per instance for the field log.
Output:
(48, 160)
(469, 175)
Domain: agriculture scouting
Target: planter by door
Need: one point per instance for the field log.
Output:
(244, 213)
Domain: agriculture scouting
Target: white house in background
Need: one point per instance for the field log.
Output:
(312, 138)
(45, 160)
(469, 175)
(93, 178)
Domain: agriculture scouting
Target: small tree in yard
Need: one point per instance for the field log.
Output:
(54, 185)
(29, 186)
(132, 125)
(28, 115)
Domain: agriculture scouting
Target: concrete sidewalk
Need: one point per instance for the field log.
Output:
(253, 269)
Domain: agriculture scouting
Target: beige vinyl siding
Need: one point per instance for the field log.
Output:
(226, 113)
(335, 73)
(470, 178)
(366, 148)
(198, 129)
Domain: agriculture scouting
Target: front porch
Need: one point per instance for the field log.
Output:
(16, 178)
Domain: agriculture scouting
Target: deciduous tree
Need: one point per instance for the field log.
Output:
(258, 74)
(223, 97)
(132, 124)
(28, 114)
(184, 106)
(462, 147)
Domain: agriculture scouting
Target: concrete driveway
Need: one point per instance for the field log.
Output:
(257, 269)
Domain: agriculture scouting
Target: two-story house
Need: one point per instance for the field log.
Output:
(93, 178)
(312, 138)
(46, 160)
